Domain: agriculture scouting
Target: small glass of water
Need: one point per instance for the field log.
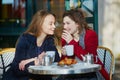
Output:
(51, 54)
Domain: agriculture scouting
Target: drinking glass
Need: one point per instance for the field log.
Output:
(51, 54)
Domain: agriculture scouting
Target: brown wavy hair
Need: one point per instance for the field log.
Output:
(78, 16)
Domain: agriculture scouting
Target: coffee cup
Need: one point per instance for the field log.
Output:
(69, 50)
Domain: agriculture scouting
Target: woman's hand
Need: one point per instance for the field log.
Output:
(63, 51)
(24, 62)
(40, 57)
(67, 36)
(37, 61)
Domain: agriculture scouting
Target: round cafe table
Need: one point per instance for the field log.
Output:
(54, 69)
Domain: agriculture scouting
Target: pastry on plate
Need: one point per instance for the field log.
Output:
(67, 61)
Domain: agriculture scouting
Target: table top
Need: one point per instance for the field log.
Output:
(54, 69)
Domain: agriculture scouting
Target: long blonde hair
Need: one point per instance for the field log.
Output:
(37, 22)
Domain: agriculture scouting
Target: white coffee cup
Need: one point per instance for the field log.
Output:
(51, 54)
(69, 50)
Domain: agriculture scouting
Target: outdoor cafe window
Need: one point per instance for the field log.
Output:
(12, 13)
(18, 13)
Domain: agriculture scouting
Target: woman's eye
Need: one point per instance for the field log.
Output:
(67, 23)
(50, 23)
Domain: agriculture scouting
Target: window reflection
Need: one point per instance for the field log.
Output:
(7, 1)
(18, 13)
(13, 11)
(72, 4)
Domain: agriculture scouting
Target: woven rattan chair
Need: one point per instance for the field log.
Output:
(107, 58)
(6, 58)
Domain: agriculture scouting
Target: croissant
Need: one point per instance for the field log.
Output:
(67, 61)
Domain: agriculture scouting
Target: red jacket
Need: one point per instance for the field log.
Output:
(91, 44)
(90, 41)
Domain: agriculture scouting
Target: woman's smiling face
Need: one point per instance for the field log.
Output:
(70, 25)
(48, 26)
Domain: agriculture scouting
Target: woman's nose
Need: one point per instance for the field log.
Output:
(54, 26)
(65, 26)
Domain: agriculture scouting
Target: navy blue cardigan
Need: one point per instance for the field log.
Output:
(27, 48)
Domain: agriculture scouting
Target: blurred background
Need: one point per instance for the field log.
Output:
(102, 15)
(17, 14)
